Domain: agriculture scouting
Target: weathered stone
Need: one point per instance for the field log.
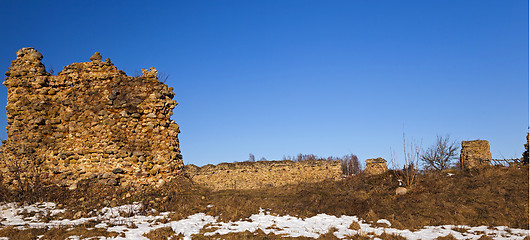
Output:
(105, 175)
(73, 186)
(375, 166)
(112, 182)
(96, 57)
(118, 171)
(138, 153)
(475, 154)
(36, 56)
(401, 191)
(251, 175)
(90, 113)
(78, 215)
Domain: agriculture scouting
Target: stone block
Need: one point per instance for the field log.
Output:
(475, 154)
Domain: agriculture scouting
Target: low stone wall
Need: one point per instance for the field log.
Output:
(252, 175)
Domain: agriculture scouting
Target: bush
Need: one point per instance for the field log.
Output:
(439, 156)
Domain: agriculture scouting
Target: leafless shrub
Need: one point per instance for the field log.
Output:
(24, 175)
(302, 157)
(251, 158)
(50, 70)
(137, 74)
(162, 77)
(4, 191)
(439, 156)
(412, 153)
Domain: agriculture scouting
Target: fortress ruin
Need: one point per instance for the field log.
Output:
(89, 121)
(92, 121)
(252, 175)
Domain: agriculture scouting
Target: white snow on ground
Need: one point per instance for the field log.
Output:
(128, 220)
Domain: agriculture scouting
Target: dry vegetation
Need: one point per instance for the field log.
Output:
(493, 196)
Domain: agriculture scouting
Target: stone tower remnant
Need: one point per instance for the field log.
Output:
(375, 166)
(89, 120)
(475, 154)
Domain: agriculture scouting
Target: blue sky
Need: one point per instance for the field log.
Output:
(277, 78)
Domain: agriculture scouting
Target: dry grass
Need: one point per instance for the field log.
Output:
(486, 237)
(55, 233)
(448, 237)
(80, 231)
(164, 233)
(493, 196)
(29, 234)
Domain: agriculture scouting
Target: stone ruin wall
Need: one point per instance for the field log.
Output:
(252, 175)
(475, 154)
(89, 121)
(375, 166)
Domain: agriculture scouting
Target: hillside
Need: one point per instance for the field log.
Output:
(493, 196)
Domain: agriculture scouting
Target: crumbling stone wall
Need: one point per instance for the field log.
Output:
(375, 166)
(525, 153)
(475, 154)
(89, 121)
(251, 175)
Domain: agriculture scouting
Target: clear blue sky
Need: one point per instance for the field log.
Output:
(277, 78)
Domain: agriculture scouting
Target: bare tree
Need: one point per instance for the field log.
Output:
(350, 165)
(162, 77)
(440, 155)
(251, 158)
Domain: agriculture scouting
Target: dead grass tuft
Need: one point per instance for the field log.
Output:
(55, 233)
(460, 229)
(80, 231)
(359, 236)
(163, 233)
(354, 226)
(258, 234)
(448, 237)
(393, 236)
(486, 237)
(29, 234)
(329, 235)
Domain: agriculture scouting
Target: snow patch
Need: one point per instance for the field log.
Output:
(128, 221)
